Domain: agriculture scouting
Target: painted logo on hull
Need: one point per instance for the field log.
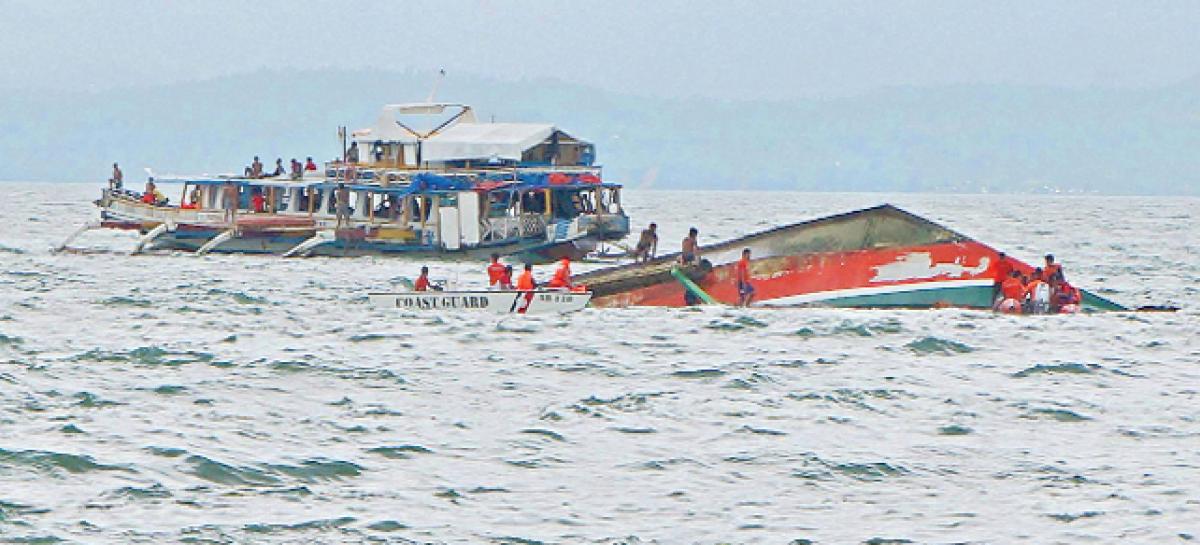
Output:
(437, 302)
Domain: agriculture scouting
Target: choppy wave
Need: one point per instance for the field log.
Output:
(231, 399)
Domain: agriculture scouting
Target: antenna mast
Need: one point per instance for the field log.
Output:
(436, 81)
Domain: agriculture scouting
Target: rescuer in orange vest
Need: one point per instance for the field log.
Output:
(495, 272)
(562, 276)
(525, 281)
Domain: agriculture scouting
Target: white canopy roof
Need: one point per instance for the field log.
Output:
(484, 141)
(387, 130)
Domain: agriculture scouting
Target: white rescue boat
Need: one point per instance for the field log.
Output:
(541, 301)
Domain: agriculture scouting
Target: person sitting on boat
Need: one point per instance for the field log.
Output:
(506, 281)
(1051, 269)
(297, 169)
(744, 288)
(352, 153)
(153, 195)
(1012, 293)
(525, 282)
(309, 165)
(690, 247)
(256, 168)
(495, 272)
(1039, 294)
(257, 202)
(1066, 298)
(647, 244)
(562, 276)
(422, 283)
(118, 178)
(279, 170)
(193, 201)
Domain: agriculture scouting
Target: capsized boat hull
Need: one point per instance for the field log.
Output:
(879, 257)
(496, 302)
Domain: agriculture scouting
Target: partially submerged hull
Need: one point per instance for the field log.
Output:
(877, 257)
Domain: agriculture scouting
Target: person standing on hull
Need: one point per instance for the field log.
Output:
(256, 168)
(744, 288)
(118, 178)
(495, 272)
(647, 244)
(690, 248)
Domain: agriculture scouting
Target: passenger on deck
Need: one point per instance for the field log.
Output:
(309, 165)
(506, 281)
(193, 199)
(1012, 294)
(352, 153)
(1051, 269)
(118, 178)
(744, 288)
(256, 168)
(297, 169)
(257, 202)
(647, 244)
(690, 247)
(562, 275)
(230, 202)
(279, 170)
(495, 272)
(343, 205)
(1039, 294)
(422, 283)
(153, 195)
(525, 282)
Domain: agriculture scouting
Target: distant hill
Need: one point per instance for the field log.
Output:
(964, 139)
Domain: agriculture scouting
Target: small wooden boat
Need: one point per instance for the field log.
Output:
(541, 301)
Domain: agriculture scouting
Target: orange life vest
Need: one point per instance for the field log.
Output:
(422, 283)
(525, 281)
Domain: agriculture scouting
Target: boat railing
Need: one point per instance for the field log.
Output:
(126, 206)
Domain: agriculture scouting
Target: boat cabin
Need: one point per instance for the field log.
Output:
(446, 136)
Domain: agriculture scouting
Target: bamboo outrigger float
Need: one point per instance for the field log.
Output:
(461, 190)
(881, 257)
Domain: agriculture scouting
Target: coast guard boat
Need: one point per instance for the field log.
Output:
(461, 190)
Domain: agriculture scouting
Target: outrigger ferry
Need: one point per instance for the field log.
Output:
(463, 189)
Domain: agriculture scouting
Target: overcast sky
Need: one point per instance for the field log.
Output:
(721, 49)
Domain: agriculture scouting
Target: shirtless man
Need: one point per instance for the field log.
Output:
(647, 244)
(118, 178)
(690, 247)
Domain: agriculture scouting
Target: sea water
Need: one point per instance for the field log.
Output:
(221, 399)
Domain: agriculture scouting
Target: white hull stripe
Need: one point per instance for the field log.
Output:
(874, 290)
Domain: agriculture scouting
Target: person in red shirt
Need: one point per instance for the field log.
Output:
(744, 288)
(257, 202)
(506, 281)
(495, 272)
(525, 281)
(309, 165)
(422, 283)
(562, 276)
